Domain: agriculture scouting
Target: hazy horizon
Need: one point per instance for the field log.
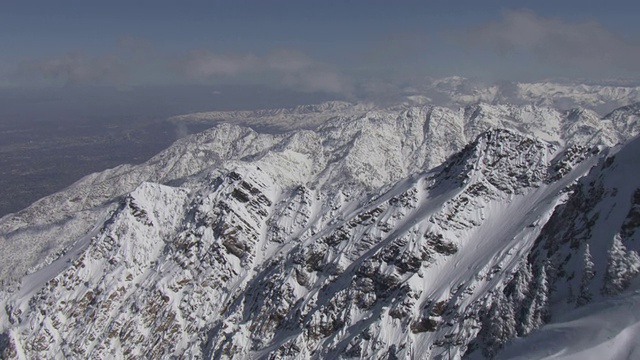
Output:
(313, 46)
(78, 78)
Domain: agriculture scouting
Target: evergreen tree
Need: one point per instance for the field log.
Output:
(499, 325)
(621, 268)
(518, 289)
(535, 310)
(588, 273)
(519, 292)
(541, 299)
(525, 325)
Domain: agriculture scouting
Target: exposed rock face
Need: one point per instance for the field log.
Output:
(361, 147)
(344, 242)
(586, 252)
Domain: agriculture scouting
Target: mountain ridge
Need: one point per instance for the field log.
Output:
(376, 235)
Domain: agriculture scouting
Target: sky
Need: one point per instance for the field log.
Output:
(330, 46)
(73, 63)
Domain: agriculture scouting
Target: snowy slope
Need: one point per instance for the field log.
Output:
(308, 277)
(605, 330)
(346, 241)
(368, 147)
(589, 250)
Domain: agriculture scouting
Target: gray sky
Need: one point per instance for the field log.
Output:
(329, 46)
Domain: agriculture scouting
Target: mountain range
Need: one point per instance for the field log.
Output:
(361, 232)
(453, 92)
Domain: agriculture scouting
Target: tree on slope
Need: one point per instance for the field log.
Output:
(622, 267)
(499, 325)
(588, 273)
(541, 299)
(535, 310)
(519, 293)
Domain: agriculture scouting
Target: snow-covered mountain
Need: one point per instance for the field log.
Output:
(371, 147)
(299, 117)
(452, 93)
(405, 232)
(460, 91)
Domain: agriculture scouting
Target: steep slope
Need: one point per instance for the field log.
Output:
(343, 241)
(369, 148)
(53, 223)
(587, 256)
(234, 264)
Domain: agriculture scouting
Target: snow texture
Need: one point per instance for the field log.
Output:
(421, 232)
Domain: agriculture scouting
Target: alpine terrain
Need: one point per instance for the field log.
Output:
(406, 232)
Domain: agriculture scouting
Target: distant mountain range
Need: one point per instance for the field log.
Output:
(452, 93)
(602, 98)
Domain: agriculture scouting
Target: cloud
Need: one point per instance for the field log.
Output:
(200, 64)
(289, 61)
(74, 69)
(585, 45)
(77, 68)
(135, 61)
(289, 68)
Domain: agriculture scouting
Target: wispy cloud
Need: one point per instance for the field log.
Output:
(78, 68)
(586, 45)
(75, 69)
(203, 64)
(135, 58)
(520, 44)
(289, 68)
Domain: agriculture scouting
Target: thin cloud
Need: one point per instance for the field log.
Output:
(289, 61)
(134, 60)
(200, 64)
(290, 68)
(78, 68)
(586, 45)
(74, 69)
